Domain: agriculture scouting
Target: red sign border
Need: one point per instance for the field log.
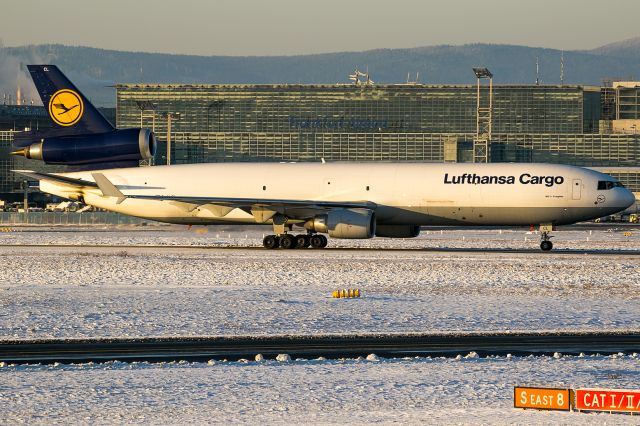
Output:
(602, 410)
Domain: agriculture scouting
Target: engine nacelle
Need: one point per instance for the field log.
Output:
(397, 231)
(345, 223)
(118, 145)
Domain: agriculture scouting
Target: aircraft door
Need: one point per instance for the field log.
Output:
(576, 186)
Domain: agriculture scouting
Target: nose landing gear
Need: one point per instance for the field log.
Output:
(546, 245)
(545, 238)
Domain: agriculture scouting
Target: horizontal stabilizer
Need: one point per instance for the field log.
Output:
(108, 189)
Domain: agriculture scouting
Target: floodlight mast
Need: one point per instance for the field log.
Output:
(169, 116)
(482, 140)
(482, 73)
(144, 106)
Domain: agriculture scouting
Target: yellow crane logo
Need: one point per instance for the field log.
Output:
(66, 107)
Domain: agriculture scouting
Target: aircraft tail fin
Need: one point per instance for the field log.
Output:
(66, 105)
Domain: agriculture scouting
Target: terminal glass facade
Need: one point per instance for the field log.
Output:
(358, 109)
(628, 103)
(11, 182)
(404, 122)
(6, 162)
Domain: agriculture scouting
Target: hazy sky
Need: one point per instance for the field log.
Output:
(286, 27)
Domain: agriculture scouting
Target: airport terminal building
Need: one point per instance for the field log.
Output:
(399, 122)
(572, 124)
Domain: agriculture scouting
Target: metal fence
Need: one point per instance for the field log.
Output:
(62, 218)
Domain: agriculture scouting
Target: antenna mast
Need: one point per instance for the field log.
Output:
(562, 68)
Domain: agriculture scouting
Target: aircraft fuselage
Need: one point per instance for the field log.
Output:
(403, 193)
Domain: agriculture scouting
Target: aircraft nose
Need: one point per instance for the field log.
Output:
(627, 198)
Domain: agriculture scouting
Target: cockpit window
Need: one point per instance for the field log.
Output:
(604, 185)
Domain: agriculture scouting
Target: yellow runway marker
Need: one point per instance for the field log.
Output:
(346, 294)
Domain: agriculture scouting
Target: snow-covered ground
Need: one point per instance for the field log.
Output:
(400, 391)
(134, 291)
(123, 290)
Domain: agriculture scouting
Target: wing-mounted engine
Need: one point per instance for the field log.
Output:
(397, 231)
(117, 145)
(345, 223)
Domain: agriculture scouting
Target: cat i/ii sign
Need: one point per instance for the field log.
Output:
(612, 400)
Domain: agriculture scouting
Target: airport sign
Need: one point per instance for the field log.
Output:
(607, 400)
(542, 398)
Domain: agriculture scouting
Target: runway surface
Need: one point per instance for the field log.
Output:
(613, 252)
(314, 346)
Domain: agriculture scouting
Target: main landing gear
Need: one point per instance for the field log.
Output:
(288, 241)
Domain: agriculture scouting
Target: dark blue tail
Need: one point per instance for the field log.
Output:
(82, 137)
(66, 105)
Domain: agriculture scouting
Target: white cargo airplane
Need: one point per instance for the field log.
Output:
(343, 200)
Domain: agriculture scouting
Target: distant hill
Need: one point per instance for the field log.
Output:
(624, 49)
(94, 70)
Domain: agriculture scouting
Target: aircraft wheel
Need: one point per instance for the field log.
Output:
(270, 242)
(318, 241)
(288, 241)
(546, 245)
(303, 241)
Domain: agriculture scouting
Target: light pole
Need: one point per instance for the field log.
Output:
(484, 114)
(26, 196)
(169, 116)
(144, 106)
(141, 106)
(217, 104)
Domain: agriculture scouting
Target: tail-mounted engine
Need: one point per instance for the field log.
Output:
(117, 145)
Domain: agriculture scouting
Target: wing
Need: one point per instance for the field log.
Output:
(265, 205)
(80, 183)
(262, 208)
(264, 202)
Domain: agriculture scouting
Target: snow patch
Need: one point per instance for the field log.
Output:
(283, 358)
(373, 357)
